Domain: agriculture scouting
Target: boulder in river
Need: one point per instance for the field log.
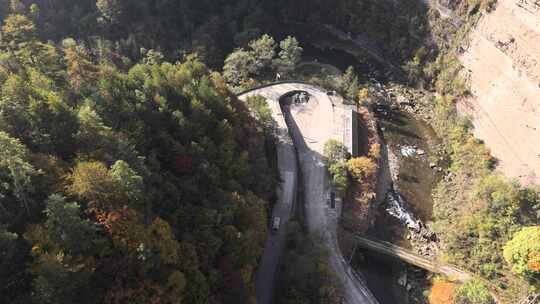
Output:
(402, 280)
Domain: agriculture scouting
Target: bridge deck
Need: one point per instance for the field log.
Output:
(394, 251)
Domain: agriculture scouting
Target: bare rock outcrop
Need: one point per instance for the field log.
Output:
(502, 63)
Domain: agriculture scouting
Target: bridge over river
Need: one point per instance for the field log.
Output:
(391, 250)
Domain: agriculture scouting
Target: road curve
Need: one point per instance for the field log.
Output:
(310, 125)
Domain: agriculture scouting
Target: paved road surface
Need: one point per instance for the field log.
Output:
(267, 272)
(311, 125)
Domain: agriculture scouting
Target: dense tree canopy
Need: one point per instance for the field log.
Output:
(16, 174)
(215, 28)
(125, 182)
(260, 60)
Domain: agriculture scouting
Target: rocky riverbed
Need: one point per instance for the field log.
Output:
(415, 163)
(415, 167)
(421, 238)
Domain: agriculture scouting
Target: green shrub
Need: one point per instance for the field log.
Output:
(473, 292)
(523, 252)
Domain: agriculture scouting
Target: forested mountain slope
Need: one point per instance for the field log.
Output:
(213, 28)
(142, 185)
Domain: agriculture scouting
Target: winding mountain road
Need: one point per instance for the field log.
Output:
(286, 193)
(309, 126)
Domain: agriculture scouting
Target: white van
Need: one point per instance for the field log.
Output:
(275, 224)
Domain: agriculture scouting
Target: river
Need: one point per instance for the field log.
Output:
(409, 142)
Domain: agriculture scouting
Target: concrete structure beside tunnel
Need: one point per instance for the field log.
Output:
(344, 116)
(349, 130)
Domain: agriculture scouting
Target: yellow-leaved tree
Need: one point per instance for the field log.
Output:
(361, 168)
(522, 252)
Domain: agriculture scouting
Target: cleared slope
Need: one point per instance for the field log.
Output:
(503, 64)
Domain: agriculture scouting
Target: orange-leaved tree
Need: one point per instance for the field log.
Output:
(441, 293)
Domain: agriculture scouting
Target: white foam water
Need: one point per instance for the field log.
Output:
(397, 208)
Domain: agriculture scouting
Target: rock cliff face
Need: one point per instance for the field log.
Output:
(502, 63)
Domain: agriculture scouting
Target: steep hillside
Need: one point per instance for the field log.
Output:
(147, 185)
(502, 62)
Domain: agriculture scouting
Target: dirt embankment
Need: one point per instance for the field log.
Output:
(502, 63)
